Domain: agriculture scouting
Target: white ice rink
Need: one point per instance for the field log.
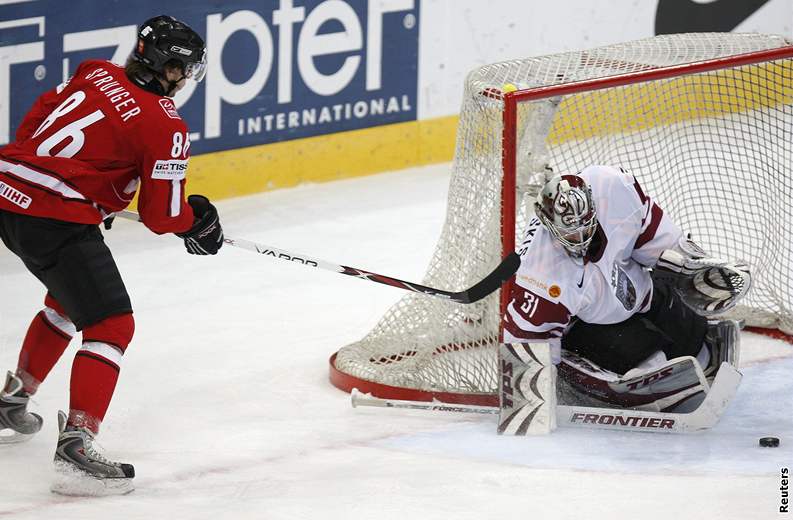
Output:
(225, 409)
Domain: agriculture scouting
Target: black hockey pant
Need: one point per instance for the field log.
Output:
(669, 326)
(72, 261)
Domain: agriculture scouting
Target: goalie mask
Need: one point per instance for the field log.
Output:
(565, 207)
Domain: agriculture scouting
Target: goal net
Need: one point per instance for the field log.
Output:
(705, 123)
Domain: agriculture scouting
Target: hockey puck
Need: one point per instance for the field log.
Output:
(769, 442)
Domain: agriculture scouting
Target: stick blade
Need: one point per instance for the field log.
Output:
(491, 282)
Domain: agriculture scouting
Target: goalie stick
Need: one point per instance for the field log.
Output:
(503, 271)
(704, 417)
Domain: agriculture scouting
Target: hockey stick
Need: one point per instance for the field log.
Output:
(482, 288)
(359, 398)
(704, 417)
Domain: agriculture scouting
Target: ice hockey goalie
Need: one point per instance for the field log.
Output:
(621, 295)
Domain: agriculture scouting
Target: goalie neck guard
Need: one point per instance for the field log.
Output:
(565, 206)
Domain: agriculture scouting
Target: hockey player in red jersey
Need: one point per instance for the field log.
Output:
(621, 295)
(81, 153)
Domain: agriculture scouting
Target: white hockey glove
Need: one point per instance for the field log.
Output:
(709, 285)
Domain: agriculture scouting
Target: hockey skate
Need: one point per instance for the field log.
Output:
(82, 470)
(723, 339)
(16, 423)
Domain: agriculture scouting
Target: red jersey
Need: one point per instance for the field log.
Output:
(85, 148)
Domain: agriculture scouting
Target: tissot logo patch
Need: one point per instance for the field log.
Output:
(170, 108)
(172, 170)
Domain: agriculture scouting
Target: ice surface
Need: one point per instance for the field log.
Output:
(224, 407)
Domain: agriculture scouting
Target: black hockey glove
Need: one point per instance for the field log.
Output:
(206, 235)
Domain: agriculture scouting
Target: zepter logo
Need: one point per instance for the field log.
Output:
(280, 70)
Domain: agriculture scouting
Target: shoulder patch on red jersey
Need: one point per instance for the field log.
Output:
(171, 170)
(169, 108)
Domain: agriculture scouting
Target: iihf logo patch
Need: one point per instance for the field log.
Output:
(14, 195)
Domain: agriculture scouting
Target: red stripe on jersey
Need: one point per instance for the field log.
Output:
(41, 169)
(538, 312)
(656, 214)
(642, 197)
(45, 180)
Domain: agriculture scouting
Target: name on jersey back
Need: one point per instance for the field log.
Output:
(124, 103)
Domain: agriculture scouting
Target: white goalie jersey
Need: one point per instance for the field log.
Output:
(610, 284)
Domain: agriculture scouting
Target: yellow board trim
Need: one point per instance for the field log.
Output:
(254, 169)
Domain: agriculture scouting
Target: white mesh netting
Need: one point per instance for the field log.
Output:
(714, 149)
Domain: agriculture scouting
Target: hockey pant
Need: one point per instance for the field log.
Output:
(669, 326)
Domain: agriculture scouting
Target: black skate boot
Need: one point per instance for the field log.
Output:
(16, 423)
(81, 468)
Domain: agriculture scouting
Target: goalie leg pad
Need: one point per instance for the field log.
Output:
(677, 385)
(527, 389)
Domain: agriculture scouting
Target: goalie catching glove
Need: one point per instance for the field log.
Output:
(708, 285)
(206, 235)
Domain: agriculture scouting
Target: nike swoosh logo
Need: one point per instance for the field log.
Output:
(581, 283)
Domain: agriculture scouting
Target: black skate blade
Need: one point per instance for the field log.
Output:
(74, 482)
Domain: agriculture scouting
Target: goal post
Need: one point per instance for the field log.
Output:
(704, 121)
